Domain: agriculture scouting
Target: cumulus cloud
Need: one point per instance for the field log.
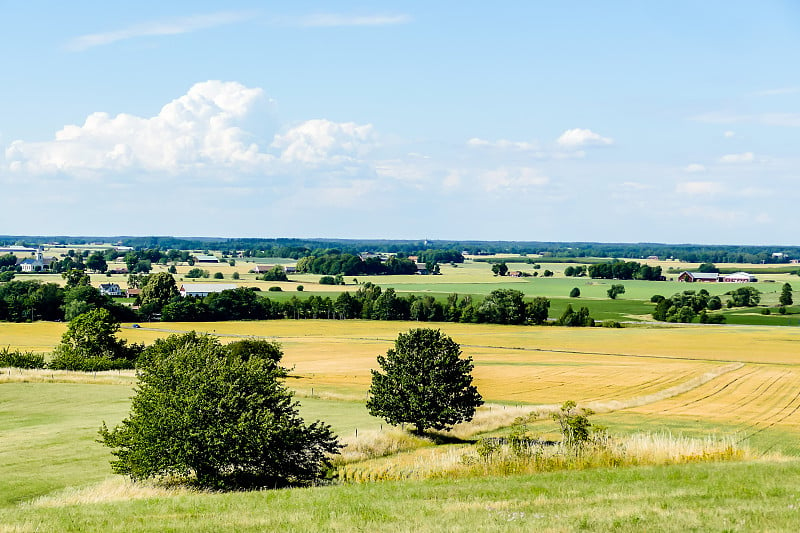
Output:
(160, 27)
(513, 179)
(695, 188)
(321, 141)
(196, 131)
(746, 157)
(729, 134)
(577, 137)
(199, 133)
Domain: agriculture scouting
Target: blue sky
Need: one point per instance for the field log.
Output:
(572, 121)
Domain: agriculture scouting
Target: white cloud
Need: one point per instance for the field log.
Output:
(322, 141)
(197, 134)
(582, 137)
(694, 188)
(791, 120)
(331, 20)
(746, 157)
(694, 168)
(512, 179)
(197, 131)
(503, 144)
(729, 134)
(154, 28)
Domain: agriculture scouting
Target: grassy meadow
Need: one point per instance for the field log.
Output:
(680, 384)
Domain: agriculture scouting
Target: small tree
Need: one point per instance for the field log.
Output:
(615, 291)
(217, 414)
(425, 382)
(786, 295)
(575, 426)
(90, 344)
(575, 293)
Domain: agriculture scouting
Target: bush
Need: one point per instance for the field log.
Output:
(766, 311)
(275, 289)
(327, 280)
(235, 275)
(575, 293)
(197, 273)
(218, 275)
(300, 288)
(219, 416)
(18, 359)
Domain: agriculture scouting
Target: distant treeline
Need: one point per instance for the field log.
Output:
(297, 248)
(370, 302)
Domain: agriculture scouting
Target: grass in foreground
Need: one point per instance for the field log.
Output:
(752, 496)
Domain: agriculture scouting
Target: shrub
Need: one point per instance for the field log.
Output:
(300, 288)
(275, 289)
(575, 293)
(218, 275)
(327, 280)
(18, 359)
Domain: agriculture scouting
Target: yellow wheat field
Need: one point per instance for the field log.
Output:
(746, 376)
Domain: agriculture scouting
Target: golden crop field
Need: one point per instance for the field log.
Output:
(747, 377)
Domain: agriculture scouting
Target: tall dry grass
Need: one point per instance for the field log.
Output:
(528, 456)
(43, 375)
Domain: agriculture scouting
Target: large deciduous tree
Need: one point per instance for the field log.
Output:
(218, 415)
(425, 382)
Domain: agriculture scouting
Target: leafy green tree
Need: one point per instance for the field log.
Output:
(219, 275)
(219, 416)
(745, 297)
(276, 273)
(503, 306)
(615, 291)
(425, 382)
(97, 262)
(572, 318)
(159, 290)
(536, 311)
(6, 276)
(708, 268)
(786, 295)
(75, 278)
(235, 275)
(547, 273)
(575, 293)
(500, 269)
(197, 273)
(90, 344)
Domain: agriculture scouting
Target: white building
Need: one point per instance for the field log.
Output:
(202, 290)
(110, 289)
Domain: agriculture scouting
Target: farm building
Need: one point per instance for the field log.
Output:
(738, 277)
(110, 289)
(132, 293)
(261, 269)
(202, 258)
(422, 269)
(204, 289)
(702, 277)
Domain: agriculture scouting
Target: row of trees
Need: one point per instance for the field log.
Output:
(345, 264)
(29, 300)
(625, 270)
(501, 306)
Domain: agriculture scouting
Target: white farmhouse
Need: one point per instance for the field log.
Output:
(201, 290)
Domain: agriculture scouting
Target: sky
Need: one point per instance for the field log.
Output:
(674, 122)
